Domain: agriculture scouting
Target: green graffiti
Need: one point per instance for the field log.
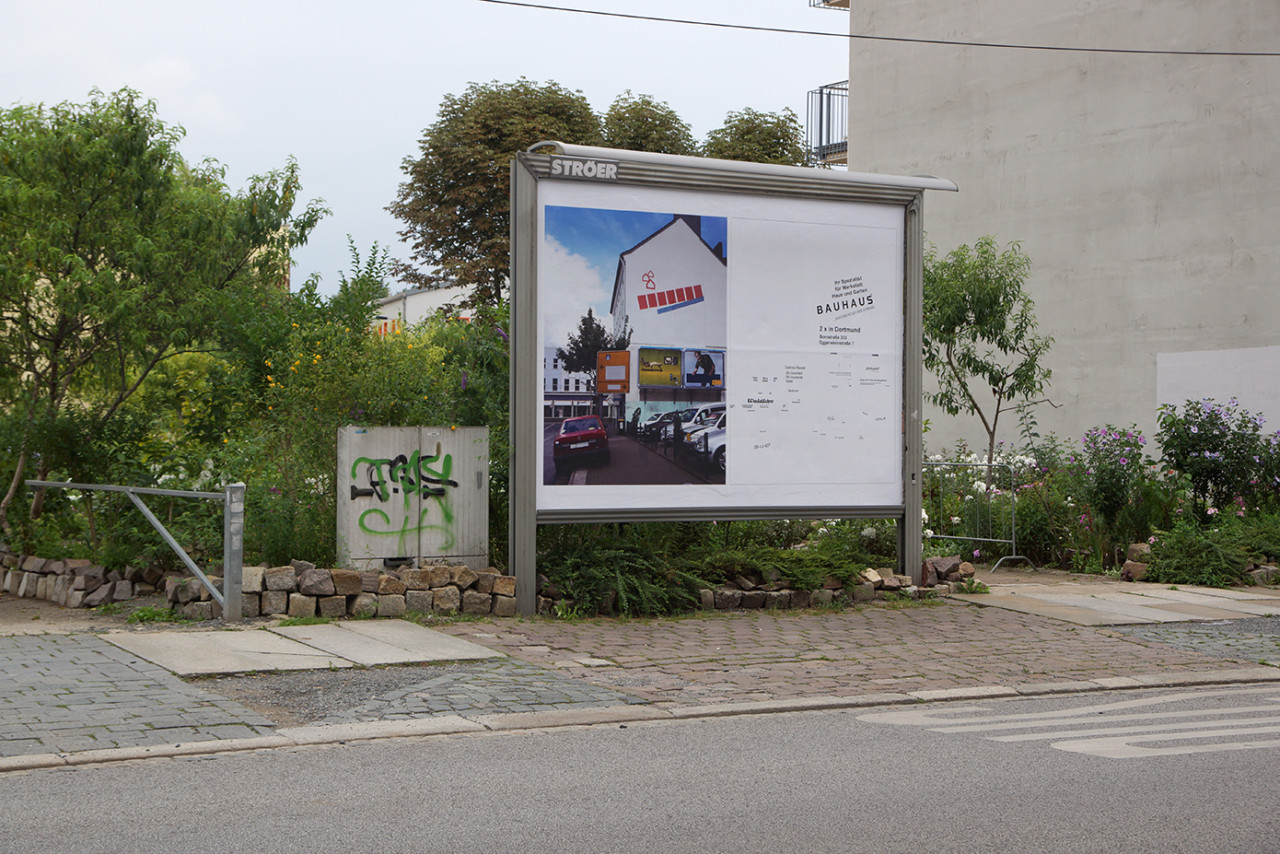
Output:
(424, 477)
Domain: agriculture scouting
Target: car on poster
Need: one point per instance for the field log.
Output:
(708, 443)
(581, 439)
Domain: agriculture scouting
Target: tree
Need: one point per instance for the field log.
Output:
(115, 254)
(641, 123)
(455, 202)
(579, 354)
(980, 333)
(759, 137)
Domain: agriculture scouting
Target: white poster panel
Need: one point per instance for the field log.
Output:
(802, 297)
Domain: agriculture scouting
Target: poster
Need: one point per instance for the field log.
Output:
(765, 338)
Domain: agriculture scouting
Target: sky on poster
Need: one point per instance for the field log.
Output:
(347, 88)
(580, 256)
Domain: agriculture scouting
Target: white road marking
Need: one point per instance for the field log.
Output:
(1100, 729)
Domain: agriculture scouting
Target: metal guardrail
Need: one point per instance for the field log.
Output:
(976, 521)
(232, 497)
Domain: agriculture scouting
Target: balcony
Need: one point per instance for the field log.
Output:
(827, 123)
(830, 4)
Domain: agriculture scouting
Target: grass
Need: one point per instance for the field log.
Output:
(305, 621)
(152, 614)
(972, 585)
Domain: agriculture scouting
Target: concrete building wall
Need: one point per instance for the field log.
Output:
(1145, 189)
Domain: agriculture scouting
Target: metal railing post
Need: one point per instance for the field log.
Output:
(232, 551)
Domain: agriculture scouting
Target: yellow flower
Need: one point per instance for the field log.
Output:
(270, 378)
(268, 363)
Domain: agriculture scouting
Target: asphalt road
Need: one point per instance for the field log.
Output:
(1185, 770)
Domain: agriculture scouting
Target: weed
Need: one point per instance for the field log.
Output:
(109, 608)
(305, 621)
(972, 585)
(152, 614)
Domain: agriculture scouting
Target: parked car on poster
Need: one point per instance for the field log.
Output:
(581, 439)
(695, 417)
(708, 443)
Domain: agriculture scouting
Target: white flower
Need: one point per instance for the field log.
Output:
(924, 517)
(928, 533)
(868, 532)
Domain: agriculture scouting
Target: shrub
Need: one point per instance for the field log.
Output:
(1211, 555)
(1220, 449)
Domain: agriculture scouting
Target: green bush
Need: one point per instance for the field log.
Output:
(1212, 555)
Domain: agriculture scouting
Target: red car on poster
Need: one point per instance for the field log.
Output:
(581, 438)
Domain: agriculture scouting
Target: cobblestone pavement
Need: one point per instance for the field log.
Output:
(66, 693)
(1250, 640)
(749, 656)
(416, 691)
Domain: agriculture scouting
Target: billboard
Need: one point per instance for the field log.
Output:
(806, 284)
(804, 296)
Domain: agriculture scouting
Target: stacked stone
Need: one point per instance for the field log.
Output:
(771, 593)
(301, 589)
(74, 582)
(942, 572)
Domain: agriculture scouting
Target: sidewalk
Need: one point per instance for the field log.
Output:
(91, 696)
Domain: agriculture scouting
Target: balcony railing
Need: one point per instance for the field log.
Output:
(830, 4)
(827, 123)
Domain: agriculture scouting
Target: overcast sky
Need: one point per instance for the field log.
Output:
(347, 88)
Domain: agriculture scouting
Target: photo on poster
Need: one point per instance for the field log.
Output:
(659, 367)
(654, 284)
(703, 368)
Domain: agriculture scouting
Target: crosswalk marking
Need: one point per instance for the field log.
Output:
(1123, 729)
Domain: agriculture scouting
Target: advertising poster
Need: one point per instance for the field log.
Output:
(703, 368)
(803, 298)
(659, 367)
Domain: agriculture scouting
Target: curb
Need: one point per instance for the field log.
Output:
(310, 736)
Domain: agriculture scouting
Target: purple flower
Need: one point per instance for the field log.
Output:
(498, 329)
(464, 380)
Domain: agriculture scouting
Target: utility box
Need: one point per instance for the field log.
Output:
(409, 494)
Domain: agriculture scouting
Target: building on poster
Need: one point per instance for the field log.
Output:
(668, 296)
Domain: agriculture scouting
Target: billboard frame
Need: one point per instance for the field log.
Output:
(645, 169)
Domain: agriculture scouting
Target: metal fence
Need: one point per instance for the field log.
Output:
(232, 498)
(963, 503)
(827, 123)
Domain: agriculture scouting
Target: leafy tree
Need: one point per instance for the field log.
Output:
(579, 354)
(641, 123)
(115, 255)
(980, 333)
(759, 137)
(455, 202)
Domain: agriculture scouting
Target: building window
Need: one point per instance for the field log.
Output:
(554, 382)
(577, 385)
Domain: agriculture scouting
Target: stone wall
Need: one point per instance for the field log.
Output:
(300, 589)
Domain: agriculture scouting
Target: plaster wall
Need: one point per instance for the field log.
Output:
(1145, 188)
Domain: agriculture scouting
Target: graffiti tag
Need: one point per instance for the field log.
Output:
(409, 476)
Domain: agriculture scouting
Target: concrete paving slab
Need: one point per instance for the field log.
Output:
(373, 642)
(1126, 607)
(1028, 603)
(206, 653)
(412, 636)
(1131, 604)
(1259, 606)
